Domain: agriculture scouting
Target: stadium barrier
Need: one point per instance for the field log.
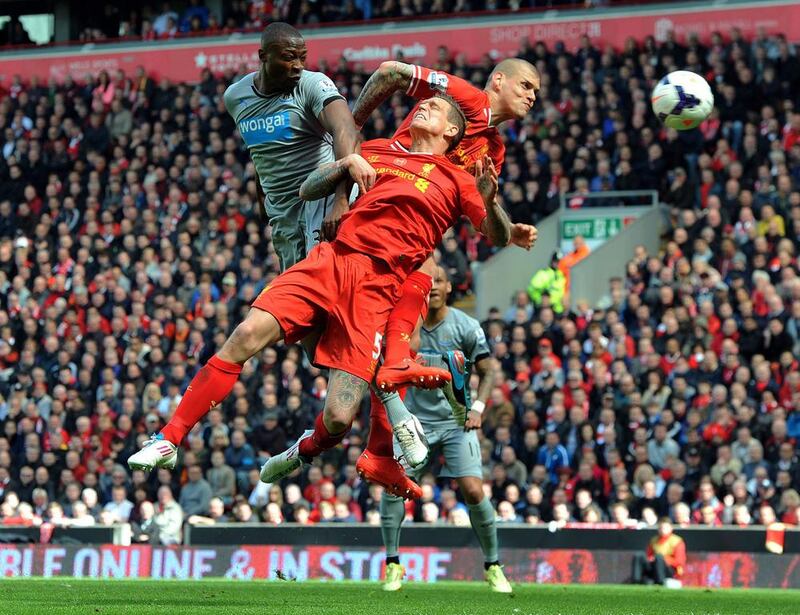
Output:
(724, 557)
(101, 534)
(335, 562)
(418, 42)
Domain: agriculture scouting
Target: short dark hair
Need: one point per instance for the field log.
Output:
(278, 31)
(456, 117)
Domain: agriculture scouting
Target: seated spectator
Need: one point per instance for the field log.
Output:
(168, 517)
(196, 494)
(216, 514)
(119, 507)
(221, 478)
(664, 559)
(146, 530)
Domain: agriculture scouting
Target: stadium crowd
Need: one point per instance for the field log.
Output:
(169, 20)
(131, 243)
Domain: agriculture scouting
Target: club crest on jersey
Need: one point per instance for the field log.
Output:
(265, 128)
(438, 81)
(373, 158)
(427, 168)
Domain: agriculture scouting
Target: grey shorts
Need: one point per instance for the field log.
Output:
(461, 451)
(296, 230)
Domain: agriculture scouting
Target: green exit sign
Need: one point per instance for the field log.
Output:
(591, 228)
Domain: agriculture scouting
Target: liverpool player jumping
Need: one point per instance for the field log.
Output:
(510, 93)
(352, 283)
(294, 120)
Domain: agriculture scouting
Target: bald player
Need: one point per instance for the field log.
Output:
(292, 121)
(509, 94)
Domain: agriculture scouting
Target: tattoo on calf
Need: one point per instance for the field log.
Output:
(346, 390)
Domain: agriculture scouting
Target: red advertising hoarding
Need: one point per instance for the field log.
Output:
(184, 61)
(337, 563)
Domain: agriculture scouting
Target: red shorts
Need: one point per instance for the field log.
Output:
(348, 293)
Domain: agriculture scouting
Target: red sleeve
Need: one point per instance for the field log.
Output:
(471, 202)
(473, 101)
(649, 552)
(678, 559)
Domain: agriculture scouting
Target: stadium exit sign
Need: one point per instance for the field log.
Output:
(595, 229)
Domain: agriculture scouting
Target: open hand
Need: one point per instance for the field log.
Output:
(486, 179)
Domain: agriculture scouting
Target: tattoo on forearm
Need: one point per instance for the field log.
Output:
(485, 369)
(498, 225)
(381, 84)
(323, 181)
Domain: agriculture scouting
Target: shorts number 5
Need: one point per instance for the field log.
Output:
(376, 347)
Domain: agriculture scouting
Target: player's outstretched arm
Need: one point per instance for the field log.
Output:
(389, 78)
(496, 226)
(324, 180)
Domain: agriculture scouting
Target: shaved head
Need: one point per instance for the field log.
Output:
(512, 88)
(512, 67)
(278, 32)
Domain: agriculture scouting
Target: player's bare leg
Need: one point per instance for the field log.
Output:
(209, 388)
(345, 393)
(398, 367)
(484, 524)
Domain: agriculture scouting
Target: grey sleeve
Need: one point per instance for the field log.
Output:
(474, 344)
(230, 100)
(317, 91)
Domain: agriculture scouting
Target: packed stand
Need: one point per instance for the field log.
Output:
(160, 21)
(131, 244)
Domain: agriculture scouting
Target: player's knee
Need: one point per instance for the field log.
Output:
(248, 338)
(339, 416)
(242, 339)
(472, 492)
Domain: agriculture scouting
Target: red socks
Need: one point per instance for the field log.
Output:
(208, 388)
(380, 430)
(404, 316)
(322, 440)
(379, 441)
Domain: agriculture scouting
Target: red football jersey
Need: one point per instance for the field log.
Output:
(415, 199)
(480, 139)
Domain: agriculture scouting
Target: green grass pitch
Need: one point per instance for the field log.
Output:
(87, 597)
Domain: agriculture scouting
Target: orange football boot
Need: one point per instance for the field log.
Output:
(412, 373)
(387, 472)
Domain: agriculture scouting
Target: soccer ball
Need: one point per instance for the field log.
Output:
(682, 100)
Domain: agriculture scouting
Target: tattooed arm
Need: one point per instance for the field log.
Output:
(485, 368)
(324, 180)
(496, 226)
(389, 78)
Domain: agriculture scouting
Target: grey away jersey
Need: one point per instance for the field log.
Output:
(283, 133)
(456, 332)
